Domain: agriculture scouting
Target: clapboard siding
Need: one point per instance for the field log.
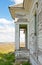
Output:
(33, 60)
(39, 36)
(40, 59)
(40, 32)
(32, 30)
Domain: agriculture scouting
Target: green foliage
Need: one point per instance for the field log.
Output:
(26, 63)
(23, 63)
(7, 59)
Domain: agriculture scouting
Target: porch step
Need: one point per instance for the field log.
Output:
(22, 54)
(21, 60)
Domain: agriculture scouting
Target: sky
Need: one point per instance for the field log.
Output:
(7, 26)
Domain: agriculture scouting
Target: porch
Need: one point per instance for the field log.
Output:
(22, 54)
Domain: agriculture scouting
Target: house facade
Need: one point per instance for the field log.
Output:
(28, 16)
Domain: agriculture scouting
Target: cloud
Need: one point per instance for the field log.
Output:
(7, 30)
(17, 1)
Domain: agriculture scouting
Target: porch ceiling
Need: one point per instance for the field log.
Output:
(22, 26)
(21, 9)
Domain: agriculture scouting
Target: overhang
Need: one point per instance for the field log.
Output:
(21, 9)
(17, 10)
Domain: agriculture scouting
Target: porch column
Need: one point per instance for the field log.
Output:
(17, 36)
(27, 36)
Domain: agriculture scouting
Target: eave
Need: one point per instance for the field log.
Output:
(21, 9)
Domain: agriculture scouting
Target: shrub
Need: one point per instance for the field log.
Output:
(26, 63)
(7, 59)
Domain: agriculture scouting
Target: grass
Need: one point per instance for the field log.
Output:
(9, 59)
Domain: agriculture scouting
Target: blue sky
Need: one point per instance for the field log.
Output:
(7, 27)
(6, 22)
(4, 11)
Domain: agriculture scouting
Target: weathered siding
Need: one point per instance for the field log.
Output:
(36, 60)
(40, 31)
(33, 58)
(31, 33)
(40, 37)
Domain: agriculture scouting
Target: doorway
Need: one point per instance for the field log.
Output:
(23, 35)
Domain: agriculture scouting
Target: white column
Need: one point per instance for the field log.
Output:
(27, 36)
(17, 36)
